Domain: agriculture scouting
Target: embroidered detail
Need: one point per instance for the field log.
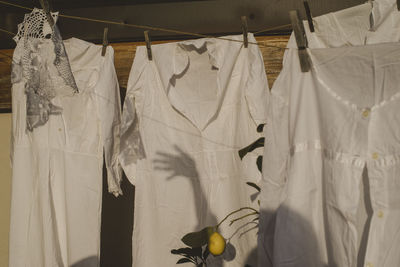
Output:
(42, 64)
(345, 158)
(61, 61)
(131, 139)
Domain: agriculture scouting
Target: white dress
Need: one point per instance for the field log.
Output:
(186, 115)
(63, 121)
(326, 131)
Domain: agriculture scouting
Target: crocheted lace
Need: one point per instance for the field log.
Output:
(41, 62)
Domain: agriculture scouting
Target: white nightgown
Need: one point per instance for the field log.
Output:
(186, 115)
(63, 121)
(280, 211)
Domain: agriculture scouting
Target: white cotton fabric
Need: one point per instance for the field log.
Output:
(186, 115)
(329, 167)
(57, 167)
(370, 23)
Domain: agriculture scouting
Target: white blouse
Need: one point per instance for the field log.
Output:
(327, 128)
(58, 139)
(186, 115)
(349, 27)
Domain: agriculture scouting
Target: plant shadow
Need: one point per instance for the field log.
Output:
(294, 244)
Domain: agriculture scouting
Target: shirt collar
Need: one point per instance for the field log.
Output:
(172, 59)
(181, 60)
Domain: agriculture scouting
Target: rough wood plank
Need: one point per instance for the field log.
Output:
(125, 52)
(5, 78)
(272, 56)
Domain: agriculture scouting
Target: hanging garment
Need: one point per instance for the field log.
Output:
(349, 27)
(62, 123)
(369, 23)
(186, 115)
(326, 128)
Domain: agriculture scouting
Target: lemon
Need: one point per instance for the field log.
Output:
(216, 244)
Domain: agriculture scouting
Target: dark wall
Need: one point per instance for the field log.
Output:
(208, 17)
(117, 222)
(117, 226)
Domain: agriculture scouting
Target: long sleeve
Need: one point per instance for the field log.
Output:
(257, 89)
(131, 142)
(109, 109)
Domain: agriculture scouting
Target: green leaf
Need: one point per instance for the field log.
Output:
(197, 252)
(206, 253)
(259, 163)
(198, 239)
(254, 185)
(181, 251)
(183, 260)
(254, 196)
(259, 143)
(260, 128)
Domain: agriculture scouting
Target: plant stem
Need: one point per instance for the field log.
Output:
(244, 216)
(233, 212)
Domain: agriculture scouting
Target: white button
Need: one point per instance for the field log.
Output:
(365, 113)
(375, 155)
(380, 214)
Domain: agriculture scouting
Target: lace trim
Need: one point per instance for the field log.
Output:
(43, 67)
(35, 25)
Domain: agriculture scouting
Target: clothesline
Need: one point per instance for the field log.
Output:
(2, 30)
(145, 27)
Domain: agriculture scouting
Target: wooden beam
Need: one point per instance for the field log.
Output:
(125, 52)
(5, 79)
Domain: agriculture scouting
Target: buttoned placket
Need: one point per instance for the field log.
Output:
(372, 161)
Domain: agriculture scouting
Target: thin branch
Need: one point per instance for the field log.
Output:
(242, 217)
(233, 212)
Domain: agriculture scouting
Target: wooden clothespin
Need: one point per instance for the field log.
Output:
(47, 9)
(105, 42)
(148, 45)
(245, 31)
(301, 40)
(309, 16)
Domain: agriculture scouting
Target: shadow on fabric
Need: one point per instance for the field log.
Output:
(181, 164)
(88, 262)
(294, 246)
